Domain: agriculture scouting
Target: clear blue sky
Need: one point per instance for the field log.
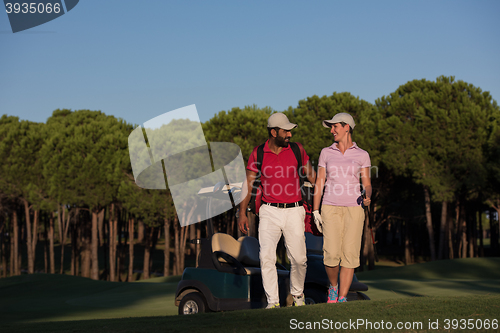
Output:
(138, 59)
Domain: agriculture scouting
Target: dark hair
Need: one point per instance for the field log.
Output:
(350, 128)
(269, 129)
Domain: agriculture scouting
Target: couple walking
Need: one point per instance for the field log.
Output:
(340, 168)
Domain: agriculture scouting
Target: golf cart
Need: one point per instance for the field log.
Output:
(228, 274)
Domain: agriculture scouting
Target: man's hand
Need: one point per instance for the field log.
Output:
(243, 223)
(318, 220)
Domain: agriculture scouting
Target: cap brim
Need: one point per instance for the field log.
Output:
(327, 123)
(289, 126)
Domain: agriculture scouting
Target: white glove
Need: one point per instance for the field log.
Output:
(318, 220)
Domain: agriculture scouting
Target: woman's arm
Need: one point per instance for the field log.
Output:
(318, 188)
(367, 185)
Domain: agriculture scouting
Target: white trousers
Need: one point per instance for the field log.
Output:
(273, 222)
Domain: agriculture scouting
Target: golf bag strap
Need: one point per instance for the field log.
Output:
(256, 185)
(298, 156)
(260, 158)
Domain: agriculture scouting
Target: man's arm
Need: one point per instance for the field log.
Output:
(310, 173)
(247, 186)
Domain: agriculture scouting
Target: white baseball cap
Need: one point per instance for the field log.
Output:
(340, 118)
(280, 120)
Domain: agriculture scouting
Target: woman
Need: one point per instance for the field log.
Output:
(342, 217)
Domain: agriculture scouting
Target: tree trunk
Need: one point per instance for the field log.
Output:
(451, 249)
(494, 232)
(64, 228)
(59, 224)
(176, 247)
(481, 236)
(192, 235)
(119, 247)
(408, 256)
(112, 230)
(51, 244)
(147, 252)
(60, 221)
(457, 230)
(85, 253)
(430, 229)
(31, 235)
(95, 246)
(76, 243)
(463, 233)
(73, 250)
(20, 254)
(34, 234)
(472, 233)
(442, 230)
(182, 249)
(140, 232)
(16, 269)
(131, 249)
(12, 260)
(166, 251)
(101, 226)
(46, 246)
(3, 259)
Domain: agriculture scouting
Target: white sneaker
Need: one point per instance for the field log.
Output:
(298, 300)
(273, 306)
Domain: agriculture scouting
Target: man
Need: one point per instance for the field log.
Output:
(281, 211)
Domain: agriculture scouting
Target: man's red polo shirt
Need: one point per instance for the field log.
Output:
(279, 178)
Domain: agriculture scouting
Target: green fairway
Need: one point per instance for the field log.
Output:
(458, 277)
(52, 303)
(415, 314)
(45, 297)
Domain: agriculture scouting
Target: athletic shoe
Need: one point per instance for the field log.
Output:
(273, 306)
(342, 299)
(333, 294)
(298, 300)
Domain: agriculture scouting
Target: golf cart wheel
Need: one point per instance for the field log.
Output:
(314, 296)
(192, 303)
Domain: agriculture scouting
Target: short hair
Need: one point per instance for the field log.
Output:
(269, 129)
(350, 128)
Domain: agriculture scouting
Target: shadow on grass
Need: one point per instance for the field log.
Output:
(45, 297)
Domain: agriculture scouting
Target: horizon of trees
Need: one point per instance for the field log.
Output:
(434, 145)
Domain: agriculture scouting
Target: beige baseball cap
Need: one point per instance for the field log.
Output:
(340, 118)
(280, 120)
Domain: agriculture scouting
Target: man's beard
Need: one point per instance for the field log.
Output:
(281, 142)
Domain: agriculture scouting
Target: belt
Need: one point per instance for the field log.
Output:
(284, 205)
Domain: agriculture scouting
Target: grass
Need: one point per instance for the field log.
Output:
(418, 313)
(458, 277)
(454, 289)
(46, 297)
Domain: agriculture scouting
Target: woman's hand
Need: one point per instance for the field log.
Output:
(318, 221)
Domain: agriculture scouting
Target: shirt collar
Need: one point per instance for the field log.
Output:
(334, 146)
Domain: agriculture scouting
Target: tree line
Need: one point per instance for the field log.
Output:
(434, 145)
